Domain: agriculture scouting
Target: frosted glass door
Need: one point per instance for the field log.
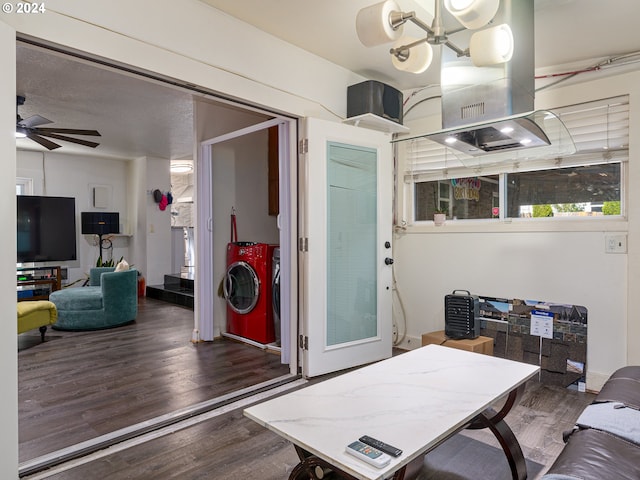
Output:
(351, 244)
(346, 179)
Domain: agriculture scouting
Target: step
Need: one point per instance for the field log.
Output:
(179, 281)
(183, 297)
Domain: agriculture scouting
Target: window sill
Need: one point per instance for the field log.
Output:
(595, 224)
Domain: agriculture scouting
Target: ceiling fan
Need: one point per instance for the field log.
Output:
(29, 127)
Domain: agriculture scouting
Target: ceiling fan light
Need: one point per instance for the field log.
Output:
(20, 134)
(414, 60)
(491, 46)
(473, 14)
(374, 26)
(181, 167)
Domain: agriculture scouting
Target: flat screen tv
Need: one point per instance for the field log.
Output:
(46, 229)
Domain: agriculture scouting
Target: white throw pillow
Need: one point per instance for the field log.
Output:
(122, 266)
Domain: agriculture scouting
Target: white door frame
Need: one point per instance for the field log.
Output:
(206, 327)
(9, 415)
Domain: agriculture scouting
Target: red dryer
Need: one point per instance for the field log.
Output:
(247, 289)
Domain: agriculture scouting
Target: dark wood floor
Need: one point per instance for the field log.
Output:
(232, 447)
(539, 420)
(79, 385)
(127, 381)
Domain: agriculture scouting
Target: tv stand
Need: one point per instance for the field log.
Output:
(37, 283)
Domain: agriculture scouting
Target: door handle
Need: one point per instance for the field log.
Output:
(227, 285)
(388, 261)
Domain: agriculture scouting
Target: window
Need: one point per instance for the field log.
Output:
(585, 183)
(459, 198)
(24, 186)
(574, 191)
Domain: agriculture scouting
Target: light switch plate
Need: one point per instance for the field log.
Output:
(615, 243)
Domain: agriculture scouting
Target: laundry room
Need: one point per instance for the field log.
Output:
(232, 191)
(246, 236)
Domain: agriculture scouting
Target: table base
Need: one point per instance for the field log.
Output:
(315, 468)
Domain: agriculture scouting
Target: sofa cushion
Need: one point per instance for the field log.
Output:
(631, 371)
(621, 389)
(82, 298)
(96, 273)
(26, 308)
(36, 314)
(594, 455)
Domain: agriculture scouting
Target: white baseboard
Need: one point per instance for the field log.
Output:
(409, 343)
(596, 380)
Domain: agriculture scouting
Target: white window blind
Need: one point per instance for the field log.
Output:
(599, 129)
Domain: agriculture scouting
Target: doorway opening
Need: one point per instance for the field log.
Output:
(227, 116)
(234, 188)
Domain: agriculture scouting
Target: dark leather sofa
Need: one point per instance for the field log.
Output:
(605, 443)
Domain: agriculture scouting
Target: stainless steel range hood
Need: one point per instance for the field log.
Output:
(490, 109)
(540, 133)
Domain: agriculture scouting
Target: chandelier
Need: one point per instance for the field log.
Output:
(383, 22)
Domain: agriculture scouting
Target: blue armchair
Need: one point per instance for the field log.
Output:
(110, 300)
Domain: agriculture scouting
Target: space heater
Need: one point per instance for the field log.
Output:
(461, 315)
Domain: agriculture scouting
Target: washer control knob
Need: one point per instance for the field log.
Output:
(388, 261)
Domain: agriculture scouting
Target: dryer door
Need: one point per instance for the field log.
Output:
(241, 287)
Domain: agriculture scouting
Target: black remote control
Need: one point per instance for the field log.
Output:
(380, 445)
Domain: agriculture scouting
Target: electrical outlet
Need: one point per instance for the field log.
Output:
(615, 243)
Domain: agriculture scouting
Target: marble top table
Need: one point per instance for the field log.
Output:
(413, 401)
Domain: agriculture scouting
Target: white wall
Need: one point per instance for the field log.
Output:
(158, 222)
(61, 175)
(31, 165)
(252, 189)
(542, 260)
(138, 206)
(628, 83)
(9, 370)
(562, 267)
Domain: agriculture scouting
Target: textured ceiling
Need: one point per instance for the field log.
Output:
(135, 117)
